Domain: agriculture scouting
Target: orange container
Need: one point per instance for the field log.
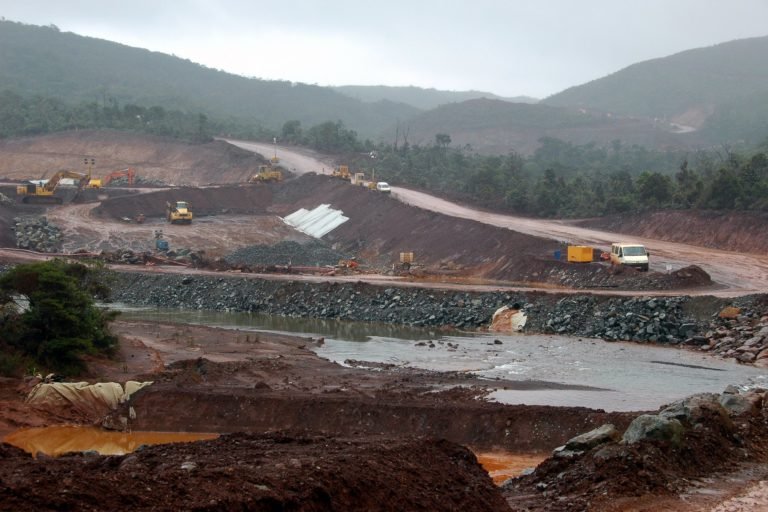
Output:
(579, 254)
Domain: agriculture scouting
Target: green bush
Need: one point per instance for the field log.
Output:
(61, 322)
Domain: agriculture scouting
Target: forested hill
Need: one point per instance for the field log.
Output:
(425, 99)
(701, 88)
(44, 61)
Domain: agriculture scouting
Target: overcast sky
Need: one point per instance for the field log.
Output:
(511, 48)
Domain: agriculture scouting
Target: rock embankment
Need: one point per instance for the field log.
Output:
(666, 320)
(36, 234)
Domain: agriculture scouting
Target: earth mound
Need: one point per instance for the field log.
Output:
(279, 471)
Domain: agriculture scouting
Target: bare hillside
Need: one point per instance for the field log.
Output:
(154, 158)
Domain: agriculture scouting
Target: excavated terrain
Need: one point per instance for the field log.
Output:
(728, 231)
(306, 434)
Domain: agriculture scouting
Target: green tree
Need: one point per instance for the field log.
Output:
(61, 322)
(443, 140)
(654, 189)
(291, 131)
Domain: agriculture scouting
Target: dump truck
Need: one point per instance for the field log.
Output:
(266, 173)
(178, 212)
(43, 193)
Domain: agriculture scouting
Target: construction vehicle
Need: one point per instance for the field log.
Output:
(342, 172)
(178, 212)
(266, 173)
(630, 255)
(358, 178)
(94, 183)
(43, 193)
(128, 173)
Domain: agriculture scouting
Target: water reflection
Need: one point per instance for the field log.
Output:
(55, 441)
(332, 328)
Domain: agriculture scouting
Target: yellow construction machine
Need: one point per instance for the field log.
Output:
(266, 173)
(178, 212)
(342, 172)
(43, 193)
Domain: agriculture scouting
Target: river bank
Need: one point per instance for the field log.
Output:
(676, 320)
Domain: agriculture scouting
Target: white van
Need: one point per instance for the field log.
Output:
(383, 186)
(631, 255)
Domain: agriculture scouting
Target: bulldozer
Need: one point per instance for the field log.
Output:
(266, 173)
(178, 212)
(43, 193)
(342, 172)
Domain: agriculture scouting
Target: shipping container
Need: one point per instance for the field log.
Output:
(579, 254)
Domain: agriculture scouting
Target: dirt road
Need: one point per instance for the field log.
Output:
(740, 273)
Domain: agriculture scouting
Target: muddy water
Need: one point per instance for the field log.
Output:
(502, 466)
(627, 376)
(55, 441)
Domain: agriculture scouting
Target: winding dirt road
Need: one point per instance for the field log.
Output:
(738, 273)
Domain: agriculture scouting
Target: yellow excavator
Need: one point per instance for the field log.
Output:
(37, 193)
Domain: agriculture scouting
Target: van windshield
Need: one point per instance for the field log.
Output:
(637, 250)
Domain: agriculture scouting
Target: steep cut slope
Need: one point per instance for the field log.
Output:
(154, 158)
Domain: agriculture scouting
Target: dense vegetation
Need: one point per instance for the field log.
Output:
(566, 180)
(42, 61)
(671, 85)
(58, 325)
(38, 115)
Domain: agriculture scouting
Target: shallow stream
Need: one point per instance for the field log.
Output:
(628, 376)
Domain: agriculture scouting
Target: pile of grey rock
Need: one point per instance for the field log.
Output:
(656, 320)
(648, 319)
(36, 234)
(738, 332)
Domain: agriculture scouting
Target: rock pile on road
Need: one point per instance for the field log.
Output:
(36, 234)
(4, 199)
(312, 253)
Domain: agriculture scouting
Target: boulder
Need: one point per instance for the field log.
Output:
(654, 427)
(601, 435)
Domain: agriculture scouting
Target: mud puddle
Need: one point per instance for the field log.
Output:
(56, 441)
(502, 466)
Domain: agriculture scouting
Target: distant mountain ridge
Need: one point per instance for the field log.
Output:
(691, 99)
(686, 88)
(419, 97)
(498, 127)
(44, 61)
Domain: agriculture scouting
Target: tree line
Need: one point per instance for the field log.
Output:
(566, 180)
(559, 179)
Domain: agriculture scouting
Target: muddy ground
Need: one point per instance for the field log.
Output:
(314, 435)
(728, 231)
(159, 159)
(308, 434)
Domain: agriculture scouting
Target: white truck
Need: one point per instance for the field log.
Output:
(631, 255)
